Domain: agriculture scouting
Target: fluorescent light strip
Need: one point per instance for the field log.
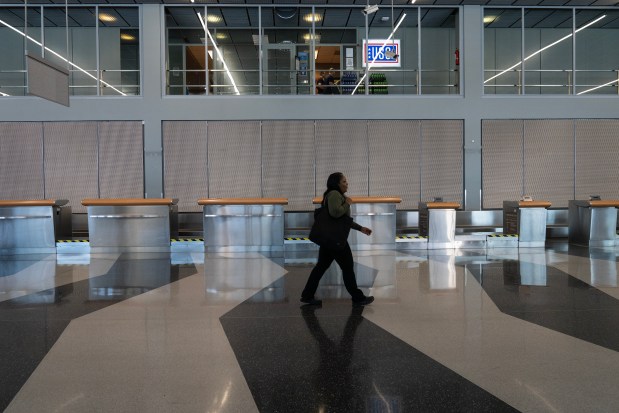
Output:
(379, 50)
(219, 54)
(597, 87)
(60, 57)
(4, 94)
(546, 47)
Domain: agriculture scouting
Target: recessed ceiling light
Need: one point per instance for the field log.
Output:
(312, 18)
(221, 36)
(128, 37)
(308, 36)
(213, 18)
(104, 17)
(489, 19)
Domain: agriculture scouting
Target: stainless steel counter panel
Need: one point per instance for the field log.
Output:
(244, 228)
(595, 227)
(529, 223)
(137, 228)
(33, 229)
(381, 219)
(438, 224)
(442, 228)
(27, 229)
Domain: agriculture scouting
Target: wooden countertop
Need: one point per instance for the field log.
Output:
(128, 201)
(534, 204)
(367, 200)
(33, 202)
(604, 203)
(243, 201)
(441, 205)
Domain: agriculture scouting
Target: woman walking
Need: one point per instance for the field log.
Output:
(338, 205)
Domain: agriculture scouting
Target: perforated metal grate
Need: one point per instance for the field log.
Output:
(185, 174)
(70, 161)
(502, 153)
(597, 169)
(442, 172)
(121, 160)
(549, 160)
(342, 146)
(288, 162)
(234, 159)
(395, 156)
(21, 160)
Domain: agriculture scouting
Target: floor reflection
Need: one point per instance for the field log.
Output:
(551, 298)
(33, 321)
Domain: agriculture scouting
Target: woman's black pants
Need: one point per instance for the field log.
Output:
(344, 260)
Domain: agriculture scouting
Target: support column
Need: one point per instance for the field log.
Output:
(152, 68)
(472, 64)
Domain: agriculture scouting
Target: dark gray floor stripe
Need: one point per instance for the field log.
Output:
(30, 325)
(331, 359)
(551, 298)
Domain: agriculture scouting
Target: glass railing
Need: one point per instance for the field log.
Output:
(557, 81)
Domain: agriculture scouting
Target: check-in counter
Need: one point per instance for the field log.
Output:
(437, 221)
(593, 222)
(527, 219)
(244, 225)
(33, 226)
(377, 213)
(131, 224)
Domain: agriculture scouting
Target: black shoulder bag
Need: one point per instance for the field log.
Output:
(331, 233)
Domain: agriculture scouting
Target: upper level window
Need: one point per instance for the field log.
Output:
(565, 51)
(102, 52)
(293, 50)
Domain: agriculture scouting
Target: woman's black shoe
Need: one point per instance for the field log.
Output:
(366, 300)
(311, 301)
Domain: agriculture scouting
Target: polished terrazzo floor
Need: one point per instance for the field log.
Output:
(531, 330)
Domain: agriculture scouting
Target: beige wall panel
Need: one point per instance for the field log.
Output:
(549, 160)
(288, 162)
(395, 152)
(342, 146)
(121, 160)
(234, 159)
(185, 174)
(71, 162)
(502, 169)
(21, 160)
(597, 154)
(442, 157)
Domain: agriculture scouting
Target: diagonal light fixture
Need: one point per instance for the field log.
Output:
(60, 57)
(379, 51)
(4, 94)
(545, 47)
(598, 87)
(219, 54)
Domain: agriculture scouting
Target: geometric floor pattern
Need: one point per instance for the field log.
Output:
(530, 330)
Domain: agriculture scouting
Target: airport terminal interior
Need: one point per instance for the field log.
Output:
(161, 161)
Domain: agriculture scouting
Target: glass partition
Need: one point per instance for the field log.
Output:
(597, 69)
(395, 69)
(502, 51)
(13, 35)
(562, 54)
(548, 51)
(186, 51)
(82, 51)
(119, 50)
(440, 52)
(296, 50)
(288, 36)
(102, 54)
